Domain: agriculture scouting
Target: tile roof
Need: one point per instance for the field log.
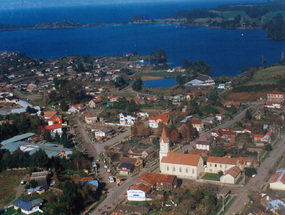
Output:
(279, 176)
(258, 136)
(196, 121)
(161, 117)
(234, 171)
(276, 92)
(179, 158)
(198, 151)
(49, 114)
(141, 187)
(52, 127)
(153, 178)
(222, 160)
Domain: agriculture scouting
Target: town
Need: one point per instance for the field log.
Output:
(84, 135)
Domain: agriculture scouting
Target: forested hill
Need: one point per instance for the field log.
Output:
(268, 16)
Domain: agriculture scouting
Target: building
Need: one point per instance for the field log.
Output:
(201, 81)
(278, 180)
(231, 176)
(148, 182)
(103, 132)
(137, 152)
(219, 117)
(204, 143)
(217, 164)
(232, 103)
(42, 178)
(54, 128)
(127, 119)
(154, 121)
(261, 140)
(91, 118)
(127, 165)
(275, 97)
(76, 108)
(198, 124)
(94, 102)
(28, 207)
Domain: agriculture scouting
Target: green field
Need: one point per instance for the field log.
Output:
(269, 16)
(211, 176)
(231, 14)
(268, 76)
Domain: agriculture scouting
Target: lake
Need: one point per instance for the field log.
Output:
(227, 51)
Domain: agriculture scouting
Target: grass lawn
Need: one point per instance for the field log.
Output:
(9, 181)
(268, 75)
(12, 211)
(211, 176)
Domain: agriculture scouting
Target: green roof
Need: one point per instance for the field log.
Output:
(17, 138)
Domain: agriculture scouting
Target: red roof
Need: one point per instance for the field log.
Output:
(141, 187)
(89, 178)
(234, 171)
(229, 104)
(279, 176)
(179, 158)
(49, 114)
(198, 151)
(164, 136)
(135, 99)
(161, 117)
(222, 160)
(56, 118)
(54, 126)
(258, 136)
(276, 92)
(196, 121)
(153, 178)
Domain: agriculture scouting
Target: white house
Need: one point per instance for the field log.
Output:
(139, 192)
(103, 132)
(154, 121)
(28, 207)
(219, 117)
(231, 176)
(143, 115)
(55, 128)
(127, 119)
(278, 180)
(201, 81)
(217, 164)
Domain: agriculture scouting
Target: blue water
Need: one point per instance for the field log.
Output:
(227, 51)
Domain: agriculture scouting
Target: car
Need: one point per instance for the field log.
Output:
(105, 166)
(111, 179)
(253, 175)
(108, 170)
(94, 164)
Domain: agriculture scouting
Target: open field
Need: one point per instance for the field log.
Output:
(268, 76)
(160, 74)
(9, 182)
(246, 96)
(148, 78)
(230, 14)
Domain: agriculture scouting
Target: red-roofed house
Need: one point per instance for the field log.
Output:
(76, 108)
(235, 104)
(217, 164)
(154, 121)
(91, 118)
(278, 180)
(231, 176)
(55, 128)
(137, 100)
(139, 192)
(49, 114)
(94, 102)
(198, 124)
(276, 97)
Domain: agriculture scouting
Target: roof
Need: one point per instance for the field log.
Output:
(222, 160)
(203, 77)
(49, 114)
(164, 136)
(279, 176)
(258, 136)
(196, 121)
(17, 138)
(135, 99)
(161, 117)
(275, 205)
(141, 187)
(179, 158)
(198, 151)
(23, 204)
(126, 167)
(234, 171)
(89, 178)
(276, 92)
(93, 183)
(53, 127)
(88, 115)
(153, 178)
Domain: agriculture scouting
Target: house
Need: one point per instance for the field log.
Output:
(204, 143)
(149, 181)
(217, 164)
(231, 176)
(201, 81)
(219, 117)
(127, 165)
(55, 119)
(198, 124)
(54, 128)
(91, 118)
(232, 103)
(28, 207)
(278, 180)
(209, 120)
(124, 209)
(31, 88)
(42, 178)
(154, 121)
(275, 97)
(225, 134)
(261, 140)
(136, 152)
(143, 115)
(137, 100)
(114, 98)
(190, 96)
(276, 206)
(273, 105)
(127, 119)
(76, 108)
(103, 132)
(94, 102)
(245, 162)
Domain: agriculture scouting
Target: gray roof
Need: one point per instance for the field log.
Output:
(17, 138)
(23, 204)
(51, 149)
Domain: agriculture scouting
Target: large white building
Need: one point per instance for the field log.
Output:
(278, 180)
(181, 165)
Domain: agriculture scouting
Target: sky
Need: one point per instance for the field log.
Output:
(14, 4)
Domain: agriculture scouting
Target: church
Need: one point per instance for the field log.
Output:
(187, 166)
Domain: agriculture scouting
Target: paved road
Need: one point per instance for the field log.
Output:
(254, 185)
(116, 194)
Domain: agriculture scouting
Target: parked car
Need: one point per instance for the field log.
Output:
(111, 179)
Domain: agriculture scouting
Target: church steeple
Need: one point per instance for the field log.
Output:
(164, 145)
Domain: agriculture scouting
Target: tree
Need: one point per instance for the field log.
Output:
(218, 151)
(174, 136)
(63, 106)
(40, 159)
(249, 171)
(48, 136)
(31, 110)
(137, 85)
(248, 115)
(233, 109)
(268, 147)
(33, 184)
(188, 131)
(132, 106)
(220, 173)
(57, 138)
